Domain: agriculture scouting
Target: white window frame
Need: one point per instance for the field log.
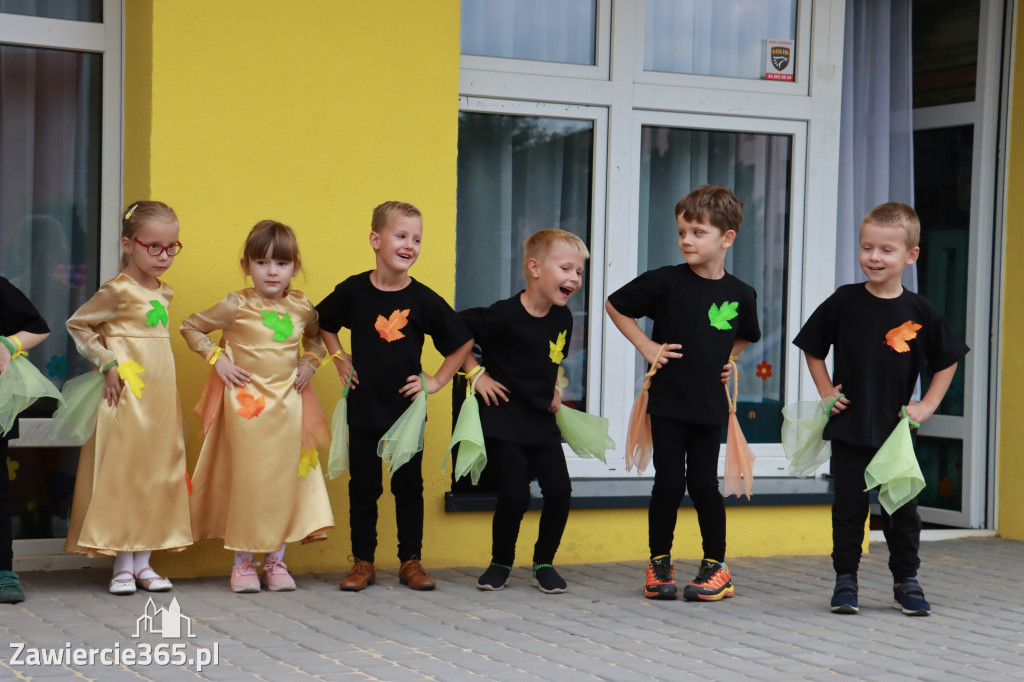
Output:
(807, 109)
(102, 38)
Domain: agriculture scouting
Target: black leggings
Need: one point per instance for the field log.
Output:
(686, 456)
(366, 486)
(514, 467)
(850, 512)
(6, 539)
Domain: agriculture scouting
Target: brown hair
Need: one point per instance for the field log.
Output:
(540, 243)
(712, 204)
(272, 236)
(383, 213)
(896, 215)
(137, 215)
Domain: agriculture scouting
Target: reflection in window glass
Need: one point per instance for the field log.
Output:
(42, 481)
(75, 10)
(49, 190)
(543, 30)
(757, 168)
(942, 195)
(721, 38)
(945, 46)
(942, 463)
(517, 175)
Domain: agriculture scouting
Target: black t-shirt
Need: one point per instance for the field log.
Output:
(522, 352)
(374, 316)
(17, 314)
(862, 330)
(705, 316)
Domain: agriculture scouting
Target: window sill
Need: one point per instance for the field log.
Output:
(635, 493)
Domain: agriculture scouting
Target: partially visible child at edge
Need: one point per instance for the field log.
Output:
(131, 493)
(523, 340)
(247, 487)
(877, 374)
(388, 313)
(687, 403)
(20, 324)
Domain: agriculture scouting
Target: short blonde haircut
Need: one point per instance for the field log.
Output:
(896, 215)
(540, 243)
(383, 213)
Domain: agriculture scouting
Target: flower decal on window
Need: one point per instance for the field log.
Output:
(12, 468)
(764, 370)
(57, 366)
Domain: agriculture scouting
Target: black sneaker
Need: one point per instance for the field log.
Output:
(844, 597)
(908, 597)
(713, 583)
(659, 583)
(494, 578)
(547, 580)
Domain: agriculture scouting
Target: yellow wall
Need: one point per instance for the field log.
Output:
(312, 113)
(1010, 471)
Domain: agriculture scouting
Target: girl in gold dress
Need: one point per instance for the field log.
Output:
(131, 493)
(257, 484)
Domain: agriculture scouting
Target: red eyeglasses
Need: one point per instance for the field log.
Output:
(155, 249)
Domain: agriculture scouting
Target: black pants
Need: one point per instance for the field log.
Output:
(6, 539)
(366, 486)
(850, 512)
(515, 466)
(686, 456)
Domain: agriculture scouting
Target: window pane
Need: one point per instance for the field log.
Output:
(942, 194)
(49, 191)
(720, 38)
(543, 30)
(945, 35)
(757, 168)
(517, 175)
(942, 463)
(42, 481)
(77, 10)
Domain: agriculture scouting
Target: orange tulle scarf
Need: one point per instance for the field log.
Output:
(739, 458)
(639, 448)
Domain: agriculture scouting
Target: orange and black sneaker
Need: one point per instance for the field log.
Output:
(713, 582)
(659, 583)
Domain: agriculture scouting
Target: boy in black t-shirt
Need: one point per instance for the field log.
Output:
(389, 314)
(881, 335)
(22, 328)
(687, 404)
(523, 341)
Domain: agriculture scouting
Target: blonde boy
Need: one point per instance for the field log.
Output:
(523, 340)
(388, 313)
(881, 335)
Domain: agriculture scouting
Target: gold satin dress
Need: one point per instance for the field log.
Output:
(131, 492)
(246, 487)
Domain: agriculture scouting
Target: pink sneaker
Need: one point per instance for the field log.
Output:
(244, 578)
(276, 576)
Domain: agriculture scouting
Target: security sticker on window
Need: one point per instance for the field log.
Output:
(778, 60)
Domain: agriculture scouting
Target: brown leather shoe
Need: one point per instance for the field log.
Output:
(361, 575)
(411, 573)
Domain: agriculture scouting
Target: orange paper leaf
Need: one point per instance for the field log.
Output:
(388, 328)
(897, 338)
(251, 405)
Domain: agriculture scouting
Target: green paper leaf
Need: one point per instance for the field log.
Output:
(720, 316)
(158, 315)
(281, 324)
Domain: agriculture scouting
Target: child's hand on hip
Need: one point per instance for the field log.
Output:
(343, 361)
(919, 411)
(492, 391)
(650, 353)
(841, 403)
(302, 377)
(114, 386)
(231, 374)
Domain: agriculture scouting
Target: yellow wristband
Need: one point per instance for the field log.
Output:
(335, 354)
(473, 372)
(214, 356)
(734, 357)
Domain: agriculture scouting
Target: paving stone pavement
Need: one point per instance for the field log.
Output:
(777, 627)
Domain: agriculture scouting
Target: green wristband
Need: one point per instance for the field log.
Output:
(10, 346)
(109, 367)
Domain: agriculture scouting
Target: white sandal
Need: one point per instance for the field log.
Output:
(157, 583)
(121, 586)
